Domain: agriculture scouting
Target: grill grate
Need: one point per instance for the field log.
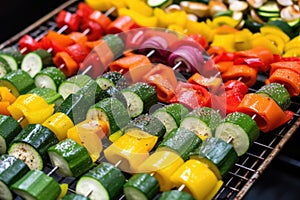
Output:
(248, 168)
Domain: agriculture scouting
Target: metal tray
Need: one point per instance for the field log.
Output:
(249, 166)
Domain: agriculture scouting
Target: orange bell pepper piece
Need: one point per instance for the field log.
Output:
(210, 83)
(164, 80)
(78, 37)
(65, 63)
(289, 78)
(60, 39)
(6, 98)
(268, 115)
(291, 65)
(124, 64)
(244, 72)
(100, 18)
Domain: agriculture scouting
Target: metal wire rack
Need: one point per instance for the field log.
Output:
(249, 166)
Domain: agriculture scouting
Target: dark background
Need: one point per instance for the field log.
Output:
(16, 15)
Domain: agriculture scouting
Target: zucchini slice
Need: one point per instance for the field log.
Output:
(4, 67)
(141, 186)
(14, 52)
(159, 3)
(36, 185)
(11, 61)
(202, 121)
(139, 97)
(114, 79)
(110, 110)
(11, 170)
(115, 44)
(105, 181)
(181, 141)
(34, 61)
(49, 77)
(175, 195)
(73, 196)
(171, 115)
(71, 158)
(278, 93)
(9, 129)
(31, 145)
(219, 155)
(73, 84)
(240, 129)
(18, 81)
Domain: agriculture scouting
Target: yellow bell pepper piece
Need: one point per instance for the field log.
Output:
(292, 52)
(64, 189)
(127, 153)
(101, 5)
(227, 41)
(6, 98)
(140, 7)
(198, 179)
(140, 19)
(201, 28)
(176, 28)
(59, 123)
(215, 190)
(242, 40)
(219, 21)
(28, 107)
(295, 42)
(113, 137)
(145, 139)
(165, 19)
(163, 163)
(277, 41)
(274, 30)
(258, 39)
(89, 134)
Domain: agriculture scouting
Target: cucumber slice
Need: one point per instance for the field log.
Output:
(31, 145)
(114, 79)
(147, 123)
(49, 77)
(139, 97)
(141, 187)
(219, 155)
(50, 95)
(18, 81)
(11, 61)
(14, 52)
(105, 181)
(175, 195)
(73, 84)
(159, 3)
(171, 115)
(202, 121)
(36, 185)
(71, 158)
(34, 61)
(110, 110)
(9, 129)
(278, 93)
(240, 129)
(181, 141)
(11, 170)
(73, 196)
(4, 67)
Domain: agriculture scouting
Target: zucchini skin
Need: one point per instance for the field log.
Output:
(116, 78)
(145, 183)
(109, 176)
(75, 155)
(181, 141)
(11, 169)
(175, 195)
(38, 185)
(115, 44)
(147, 123)
(73, 196)
(9, 129)
(39, 137)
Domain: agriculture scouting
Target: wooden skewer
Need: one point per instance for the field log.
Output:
(53, 170)
(181, 187)
(118, 163)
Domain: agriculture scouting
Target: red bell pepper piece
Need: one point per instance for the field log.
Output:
(93, 29)
(219, 54)
(236, 85)
(78, 52)
(121, 24)
(200, 39)
(191, 95)
(100, 18)
(290, 59)
(28, 44)
(251, 62)
(84, 10)
(72, 21)
(51, 46)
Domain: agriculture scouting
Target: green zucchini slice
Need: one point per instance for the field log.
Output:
(159, 3)
(18, 81)
(115, 43)
(71, 158)
(175, 195)
(105, 181)
(73, 196)
(31, 145)
(9, 129)
(11, 170)
(141, 187)
(112, 79)
(49, 77)
(240, 130)
(73, 84)
(14, 52)
(11, 61)
(4, 67)
(182, 141)
(36, 185)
